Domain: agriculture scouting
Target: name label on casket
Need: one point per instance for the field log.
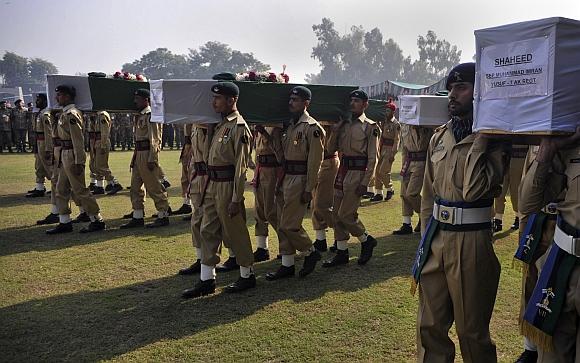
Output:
(516, 69)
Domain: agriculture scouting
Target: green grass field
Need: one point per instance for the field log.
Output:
(116, 296)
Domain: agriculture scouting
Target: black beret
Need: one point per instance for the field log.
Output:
(41, 95)
(69, 90)
(301, 92)
(226, 88)
(143, 92)
(464, 72)
(359, 94)
(18, 101)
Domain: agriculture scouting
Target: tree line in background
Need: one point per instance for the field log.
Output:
(357, 58)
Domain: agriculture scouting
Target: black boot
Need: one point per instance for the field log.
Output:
(341, 258)
(93, 227)
(49, 219)
(528, 356)
(98, 190)
(229, 265)
(202, 288)
(516, 224)
(368, 195)
(389, 195)
(82, 218)
(320, 245)
(166, 184)
(195, 268)
(242, 284)
(133, 223)
(377, 198)
(417, 227)
(36, 193)
(405, 229)
(184, 209)
(92, 186)
(115, 188)
(333, 248)
(366, 250)
(283, 272)
(309, 263)
(497, 225)
(261, 254)
(61, 228)
(158, 222)
(128, 215)
(108, 187)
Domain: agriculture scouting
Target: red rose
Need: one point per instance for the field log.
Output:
(286, 78)
(272, 77)
(252, 75)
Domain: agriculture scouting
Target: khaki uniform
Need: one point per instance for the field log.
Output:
(358, 143)
(460, 278)
(197, 179)
(147, 148)
(5, 129)
(43, 157)
(70, 133)
(323, 197)
(227, 163)
(512, 179)
(388, 146)
(543, 183)
(100, 145)
(303, 152)
(20, 127)
(414, 141)
(268, 157)
(185, 159)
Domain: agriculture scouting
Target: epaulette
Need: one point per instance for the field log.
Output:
(371, 121)
(443, 127)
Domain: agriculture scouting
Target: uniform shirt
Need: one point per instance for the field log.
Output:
(70, 127)
(303, 141)
(199, 151)
(391, 129)
(358, 138)
(145, 130)
(266, 147)
(544, 182)
(231, 146)
(5, 123)
(103, 125)
(467, 170)
(415, 138)
(43, 124)
(19, 118)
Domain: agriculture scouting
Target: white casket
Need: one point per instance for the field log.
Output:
(423, 110)
(528, 77)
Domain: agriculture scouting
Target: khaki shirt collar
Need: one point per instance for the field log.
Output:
(68, 107)
(304, 118)
(232, 116)
(145, 110)
(362, 118)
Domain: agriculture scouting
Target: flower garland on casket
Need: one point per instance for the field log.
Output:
(130, 76)
(254, 76)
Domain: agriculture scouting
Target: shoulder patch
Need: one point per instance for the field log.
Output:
(73, 120)
(316, 133)
(375, 132)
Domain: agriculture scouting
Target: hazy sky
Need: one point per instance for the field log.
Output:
(91, 35)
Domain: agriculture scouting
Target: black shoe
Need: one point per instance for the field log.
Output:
(320, 245)
(128, 215)
(184, 209)
(341, 258)
(81, 218)
(187, 218)
(528, 356)
(133, 223)
(61, 228)
(417, 227)
(195, 268)
(497, 225)
(377, 198)
(92, 186)
(49, 219)
(242, 284)
(261, 254)
(368, 195)
(169, 211)
(93, 227)
(202, 288)
(158, 222)
(366, 250)
(283, 272)
(166, 184)
(309, 263)
(115, 188)
(389, 195)
(108, 187)
(229, 265)
(98, 190)
(405, 229)
(31, 191)
(333, 248)
(516, 224)
(36, 193)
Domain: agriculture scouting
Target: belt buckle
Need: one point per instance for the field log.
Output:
(446, 214)
(552, 208)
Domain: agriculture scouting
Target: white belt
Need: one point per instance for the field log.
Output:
(551, 208)
(567, 242)
(459, 216)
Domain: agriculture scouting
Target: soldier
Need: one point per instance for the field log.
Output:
(184, 159)
(302, 143)
(322, 199)
(456, 266)
(199, 148)
(71, 176)
(223, 201)
(511, 184)
(414, 141)
(388, 148)
(43, 150)
(5, 127)
(179, 136)
(19, 125)
(145, 167)
(100, 147)
(357, 143)
(268, 156)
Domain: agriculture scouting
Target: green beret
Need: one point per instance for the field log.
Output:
(225, 76)
(143, 92)
(226, 88)
(359, 94)
(301, 92)
(69, 90)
